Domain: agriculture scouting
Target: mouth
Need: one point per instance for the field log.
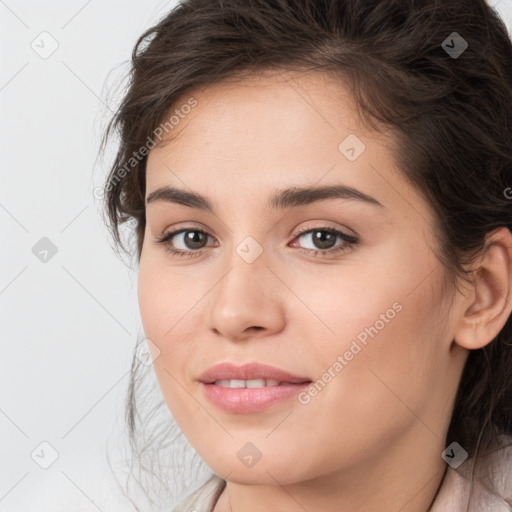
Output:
(250, 388)
(254, 383)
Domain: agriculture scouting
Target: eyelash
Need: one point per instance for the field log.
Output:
(349, 240)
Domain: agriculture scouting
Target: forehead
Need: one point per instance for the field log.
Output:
(262, 105)
(246, 138)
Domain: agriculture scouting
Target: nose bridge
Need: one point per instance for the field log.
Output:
(244, 296)
(249, 250)
(247, 266)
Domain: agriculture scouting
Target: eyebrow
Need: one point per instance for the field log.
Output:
(290, 197)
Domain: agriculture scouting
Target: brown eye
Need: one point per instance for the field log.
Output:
(193, 239)
(189, 241)
(323, 240)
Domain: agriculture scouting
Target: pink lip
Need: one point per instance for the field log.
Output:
(249, 371)
(247, 400)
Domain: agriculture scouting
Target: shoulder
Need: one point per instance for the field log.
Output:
(492, 483)
(203, 498)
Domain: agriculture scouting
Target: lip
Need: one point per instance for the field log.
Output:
(249, 371)
(249, 400)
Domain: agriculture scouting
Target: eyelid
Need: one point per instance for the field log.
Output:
(349, 233)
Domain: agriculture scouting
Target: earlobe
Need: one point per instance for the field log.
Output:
(488, 305)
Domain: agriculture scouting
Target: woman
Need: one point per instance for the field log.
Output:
(320, 191)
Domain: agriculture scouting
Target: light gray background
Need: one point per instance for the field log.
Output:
(69, 324)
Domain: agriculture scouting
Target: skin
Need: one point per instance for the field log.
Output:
(371, 439)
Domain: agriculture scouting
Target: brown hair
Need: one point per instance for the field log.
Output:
(451, 116)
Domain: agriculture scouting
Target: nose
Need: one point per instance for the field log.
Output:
(248, 300)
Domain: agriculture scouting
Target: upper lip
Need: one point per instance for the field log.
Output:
(249, 371)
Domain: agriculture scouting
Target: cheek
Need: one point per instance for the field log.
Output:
(164, 319)
(166, 296)
(159, 310)
(382, 384)
(150, 295)
(170, 317)
(375, 344)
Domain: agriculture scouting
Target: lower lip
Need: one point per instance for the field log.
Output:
(245, 400)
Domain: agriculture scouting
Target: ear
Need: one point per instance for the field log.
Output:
(488, 304)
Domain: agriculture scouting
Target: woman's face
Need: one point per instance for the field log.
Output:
(364, 320)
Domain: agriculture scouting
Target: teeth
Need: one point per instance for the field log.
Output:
(255, 383)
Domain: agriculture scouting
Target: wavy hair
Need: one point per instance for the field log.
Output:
(451, 117)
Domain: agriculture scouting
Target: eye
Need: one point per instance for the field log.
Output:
(324, 239)
(193, 241)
